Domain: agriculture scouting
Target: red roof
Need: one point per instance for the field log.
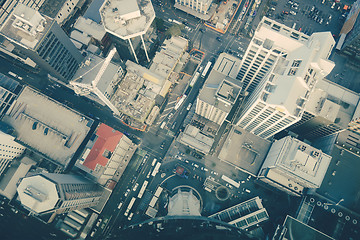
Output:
(108, 139)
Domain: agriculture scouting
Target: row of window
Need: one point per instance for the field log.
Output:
(9, 146)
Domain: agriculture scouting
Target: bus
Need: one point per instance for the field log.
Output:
(153, 201)
(178, 104)
(208, 65)
(129, 206)
(142, 189)
(158, 191)
(230, 181)
(194, 79)
(156, 169)
(153, 162)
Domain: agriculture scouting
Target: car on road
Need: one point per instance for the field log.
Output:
(135, 187)
(215, 173)
(204, 169)
(195, 165)
(187, 161)
(98, 222)
(188, 107)
(127, 192)
(292, 13)
(202, 30)
(211, 178)
(162, 145)
(219, 39)
(229, 186)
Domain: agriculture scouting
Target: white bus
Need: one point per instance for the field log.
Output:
(142, 189)
(194, 79)
(153, 201)
(230, 181)
(208, 65)
(129, 206)
(156, 169)
(153, 162)
(158, 191)
(178, 104)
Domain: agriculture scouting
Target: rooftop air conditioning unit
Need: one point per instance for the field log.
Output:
(302, 147)
(315, 154)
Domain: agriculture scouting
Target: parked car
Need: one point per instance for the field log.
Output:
(127, 192)
(135, 187)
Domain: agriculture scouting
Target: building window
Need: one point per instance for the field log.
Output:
(296, 63)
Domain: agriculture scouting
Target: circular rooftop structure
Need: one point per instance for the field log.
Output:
(185, 200)
(127, 18)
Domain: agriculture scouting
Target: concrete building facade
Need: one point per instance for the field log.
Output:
(220, 90)
(106, 157)
(292, 166)
(194, 6)
(349, 41)
(330, 109)
(9, 150)
(38, 40)
(57, 193)
(279, 98)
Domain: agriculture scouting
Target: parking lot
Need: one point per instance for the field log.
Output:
(309, 16)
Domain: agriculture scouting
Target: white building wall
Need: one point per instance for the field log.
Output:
(201, 6)
(9, 149)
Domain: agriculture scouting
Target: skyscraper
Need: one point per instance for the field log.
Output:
(279, 98)
(36, 39)
(9, 149)
(271, 41)
(59, 193)
(349, 42)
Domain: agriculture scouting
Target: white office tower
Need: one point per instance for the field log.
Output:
(184, 201)
(58, 193)
(127, 19)
(9, 149)
(279, 99)
(271, 41)
(292, 165)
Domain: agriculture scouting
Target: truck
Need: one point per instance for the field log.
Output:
(230, 181)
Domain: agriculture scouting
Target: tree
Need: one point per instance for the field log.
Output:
(174, 30)
(159, 24)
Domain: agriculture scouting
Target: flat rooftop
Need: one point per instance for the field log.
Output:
(47, 126)
(135, 95)
(51, 7)
(127, 18)
(221, 83)
(342, 180)
(244, 150)
(26, 26)
(164, 61)
(193, 137)
(300, 230)
(332, 102)
(301, 159)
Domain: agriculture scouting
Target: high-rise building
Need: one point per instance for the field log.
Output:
(220, 91)
(185, 201)
(198, 8)
(36, 39)
(279, 98)
(292, 166)
(61, 11)
(127, 19)
(271, 41)
(59, 193)
(349, 41)
(329, 109)
(9, 149)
